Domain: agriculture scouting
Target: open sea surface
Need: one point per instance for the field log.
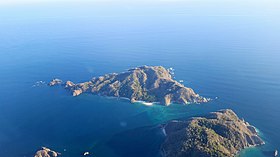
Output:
(232, 54)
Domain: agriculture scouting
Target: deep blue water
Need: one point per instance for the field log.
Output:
(231, 53)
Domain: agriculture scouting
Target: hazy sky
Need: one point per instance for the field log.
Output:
(44, 8)
(5, 2)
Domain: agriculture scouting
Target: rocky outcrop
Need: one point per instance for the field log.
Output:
(46, 152)
(220, 134)
(69, 84)
(146, 83)
(55, 82)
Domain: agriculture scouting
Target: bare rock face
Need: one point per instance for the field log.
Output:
(77, 92)
(46, 152)
(69, 84)
(220, 134)
(145, 83)
(167, 99)
(55, 82)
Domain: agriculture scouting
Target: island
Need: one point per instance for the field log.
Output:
(46, 152)
(145, 83)
(220, 134)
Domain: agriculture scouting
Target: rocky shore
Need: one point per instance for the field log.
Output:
(220, 134)
(145, 83)
(46, 152)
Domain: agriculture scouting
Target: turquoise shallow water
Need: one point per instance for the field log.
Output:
(231, 53)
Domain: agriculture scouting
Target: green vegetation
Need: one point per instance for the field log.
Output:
(146, 83)
(222, 134)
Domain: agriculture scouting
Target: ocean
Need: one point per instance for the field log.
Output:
(229, 53)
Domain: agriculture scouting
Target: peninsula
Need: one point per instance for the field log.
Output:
(145, 83)
(218, 134)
